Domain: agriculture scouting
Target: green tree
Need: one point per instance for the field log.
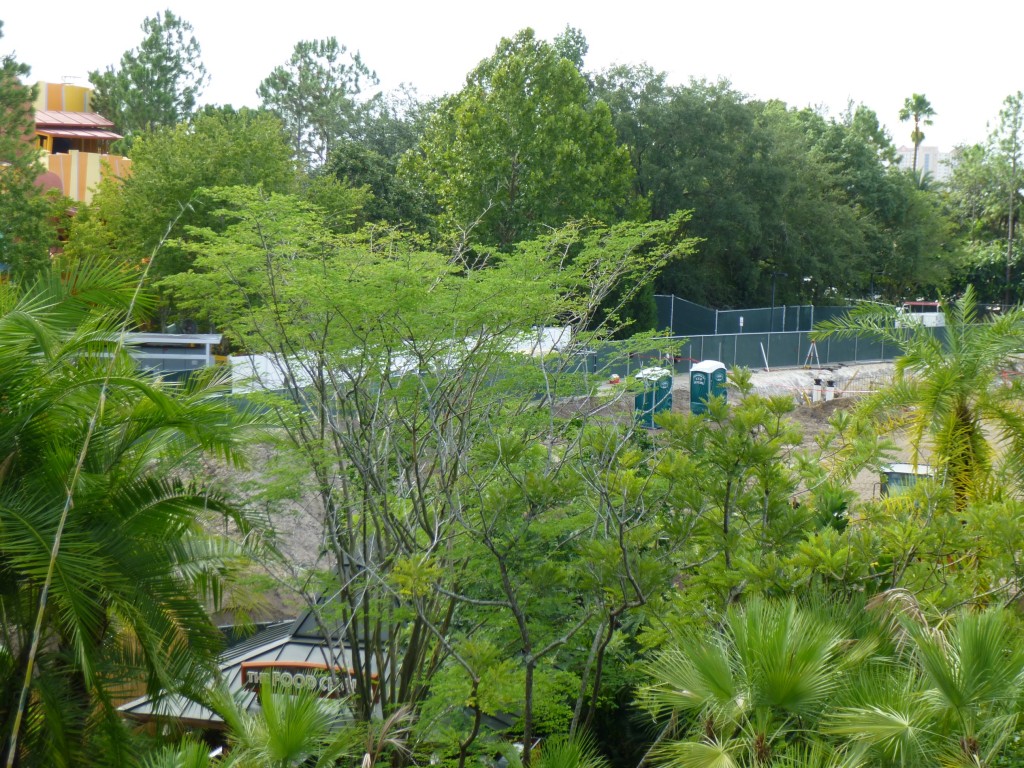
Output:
(919, 109)
(898, 243)
(976, 207)
(157, 84)
(521, 148)
(410, 414)
(314, 95)
(763, 197)
(774, 189)
(985, 200)
(337, 314)
(26, 233)
(948, 390)
(732, 475)
(392, 124)
(704, 148)
(219, 146)
(1009, 138)
(106, 566)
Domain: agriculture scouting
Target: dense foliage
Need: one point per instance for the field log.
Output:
(107, 569)
(508, 556)
(27, 229)
(521, 148)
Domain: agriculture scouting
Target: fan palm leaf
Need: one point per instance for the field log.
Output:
(766, 674)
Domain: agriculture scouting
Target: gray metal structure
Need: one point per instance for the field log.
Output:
(173, 355)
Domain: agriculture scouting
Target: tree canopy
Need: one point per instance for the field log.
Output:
(26, 220)
(155, 85)
(314, 95)
(774, 189)
(130, 217)
(522, 147)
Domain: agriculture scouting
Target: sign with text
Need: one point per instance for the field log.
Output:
(292, 676)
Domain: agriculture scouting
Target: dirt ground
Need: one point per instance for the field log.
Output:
(807, 386)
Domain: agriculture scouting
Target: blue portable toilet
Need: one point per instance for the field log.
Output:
(707, 380)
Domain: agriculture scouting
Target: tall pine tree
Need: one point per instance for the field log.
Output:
(157, 83)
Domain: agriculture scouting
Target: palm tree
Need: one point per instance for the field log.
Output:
(105, 567)
(290, 729)
(298, 728)
(570, 752)
(777, 684)
(919, 109)
(189, 754)
(953, 700)
(949, 390)
(751, 691)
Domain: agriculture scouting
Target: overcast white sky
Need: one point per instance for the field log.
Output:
(965, 57)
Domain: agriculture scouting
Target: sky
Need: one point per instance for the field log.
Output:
(964, 57)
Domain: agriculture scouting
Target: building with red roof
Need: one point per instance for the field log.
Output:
(75, 141)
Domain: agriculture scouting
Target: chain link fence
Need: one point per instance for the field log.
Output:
(750, 350)
(686, 318)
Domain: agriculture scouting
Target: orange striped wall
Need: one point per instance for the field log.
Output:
(81, 172)
(63, 97)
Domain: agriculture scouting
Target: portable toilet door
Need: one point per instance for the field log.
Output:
(655, 397)
(707, 380)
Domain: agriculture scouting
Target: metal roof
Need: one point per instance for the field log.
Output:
(174, 339)
(279, 643)
(78, 133)
(50, 117)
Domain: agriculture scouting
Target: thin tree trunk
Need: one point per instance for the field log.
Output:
(528, 712)
(1010, 230)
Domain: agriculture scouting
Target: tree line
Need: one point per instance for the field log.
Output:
(533, 140)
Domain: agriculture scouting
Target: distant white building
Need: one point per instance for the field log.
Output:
(929, 160)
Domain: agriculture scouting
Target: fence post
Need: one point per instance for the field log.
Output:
(672, 315)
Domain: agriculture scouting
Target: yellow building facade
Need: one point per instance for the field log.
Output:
(74, 141)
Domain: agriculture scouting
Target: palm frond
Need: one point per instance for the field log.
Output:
(898, 735)
(697, 754)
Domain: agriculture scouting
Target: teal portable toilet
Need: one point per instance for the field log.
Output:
(707, 380)
(655, 397)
